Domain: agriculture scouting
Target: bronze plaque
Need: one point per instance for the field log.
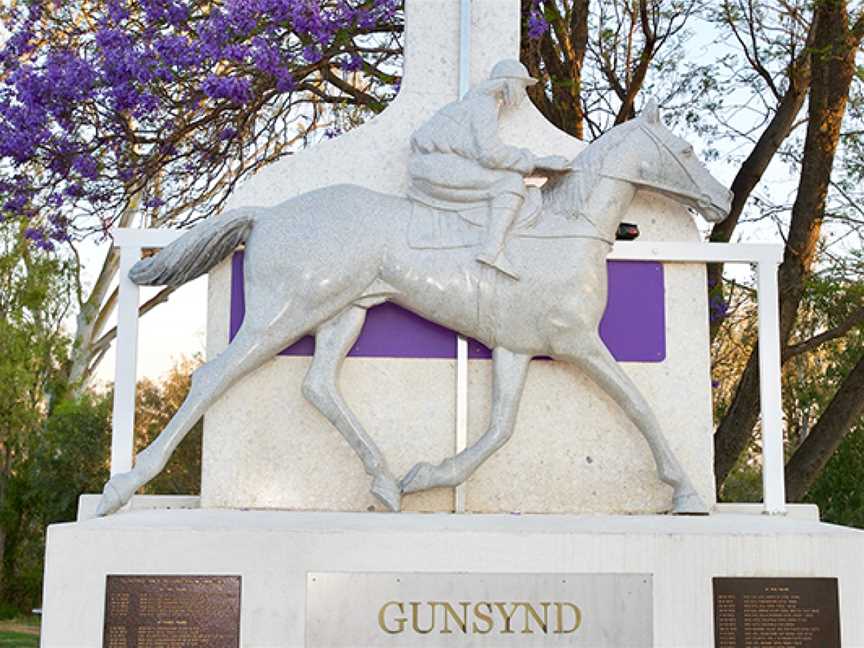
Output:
(172, 612)
(776, 613)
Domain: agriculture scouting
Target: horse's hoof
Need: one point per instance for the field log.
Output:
(419, 478)
(115, 494)
(388, 492)
(690, 503)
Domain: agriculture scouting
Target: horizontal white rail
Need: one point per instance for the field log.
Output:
(697, 252)
(682, 252)
(766, 257)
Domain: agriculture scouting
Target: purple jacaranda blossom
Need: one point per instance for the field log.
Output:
(312, 53)
(537, 25)
(284, 81)
(76, 190)
(235, 89)
(717, 308)
(176, 51)
(16, 203)
(83, 114)
(118, 11)
(265, 56)
(39, 238)
(177, 13)
(86, 166)
(352, 63)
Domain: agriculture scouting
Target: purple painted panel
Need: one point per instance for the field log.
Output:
(633, 327)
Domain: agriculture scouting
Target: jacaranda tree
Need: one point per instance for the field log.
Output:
(114, 112)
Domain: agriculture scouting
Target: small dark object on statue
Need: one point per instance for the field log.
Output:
(627, 232)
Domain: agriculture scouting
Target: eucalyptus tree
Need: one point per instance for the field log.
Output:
(774, 89)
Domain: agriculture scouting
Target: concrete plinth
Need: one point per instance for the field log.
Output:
(273, 552)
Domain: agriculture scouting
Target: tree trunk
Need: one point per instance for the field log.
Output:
(95, 311)
(832, 66)
(842, 413)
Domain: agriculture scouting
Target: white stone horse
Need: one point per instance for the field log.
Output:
(316, 263)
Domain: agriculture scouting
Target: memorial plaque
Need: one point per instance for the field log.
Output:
(347, 610)
(776, 613)
(172, 612)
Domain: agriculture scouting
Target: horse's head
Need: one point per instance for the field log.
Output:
(675, 171)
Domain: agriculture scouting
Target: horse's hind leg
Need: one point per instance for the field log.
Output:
(333, 340)
(592, 356)
(509, 371)
(248, 351)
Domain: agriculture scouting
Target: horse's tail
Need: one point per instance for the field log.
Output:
(196, 252)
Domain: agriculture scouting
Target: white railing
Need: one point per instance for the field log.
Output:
(766, 258)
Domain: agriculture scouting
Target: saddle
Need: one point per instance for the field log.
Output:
(439, 225)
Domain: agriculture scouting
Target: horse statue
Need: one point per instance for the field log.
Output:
(315, 264)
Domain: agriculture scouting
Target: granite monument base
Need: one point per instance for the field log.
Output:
(276, 554)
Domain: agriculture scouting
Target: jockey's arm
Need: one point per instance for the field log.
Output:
(495, 154)
(508, 157)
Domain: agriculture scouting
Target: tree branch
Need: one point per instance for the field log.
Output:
(855, 319)
(159, 298)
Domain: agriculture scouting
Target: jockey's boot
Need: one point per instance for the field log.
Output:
(501, 217)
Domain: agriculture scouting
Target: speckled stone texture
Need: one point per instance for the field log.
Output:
(573, 450)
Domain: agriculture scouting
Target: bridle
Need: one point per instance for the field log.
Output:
(694, 193)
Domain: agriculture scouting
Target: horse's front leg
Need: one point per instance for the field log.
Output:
(509, 372)
(590, 354)
(333, 340)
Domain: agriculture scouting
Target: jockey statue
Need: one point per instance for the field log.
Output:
(457, 159)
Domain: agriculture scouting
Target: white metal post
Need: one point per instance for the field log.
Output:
(126, 365)
(461, 342)
(773, 484)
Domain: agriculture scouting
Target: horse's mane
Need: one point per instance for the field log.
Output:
(564, 195)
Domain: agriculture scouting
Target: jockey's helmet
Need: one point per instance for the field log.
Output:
(512, 69)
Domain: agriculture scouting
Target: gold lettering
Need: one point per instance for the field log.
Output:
(559, 615)
(415, 621)
(401, 621)
(530, 612)
(484, 617)
(449, 611)
(507, 617)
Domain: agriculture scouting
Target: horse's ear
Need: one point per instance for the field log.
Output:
(651, 112)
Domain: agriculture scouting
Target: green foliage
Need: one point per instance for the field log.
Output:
(156, 404)
(744, 483)
(18, 640)
(68, 458)
(71, 457)
(66, 455)
(810, 380)
(35, 291)
(839, 492)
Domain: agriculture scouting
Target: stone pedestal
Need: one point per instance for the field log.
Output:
(274, 551)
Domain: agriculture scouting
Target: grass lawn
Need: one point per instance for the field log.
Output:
(18, 640)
